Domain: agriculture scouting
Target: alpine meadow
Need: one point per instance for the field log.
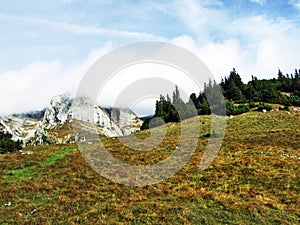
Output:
(150, 112)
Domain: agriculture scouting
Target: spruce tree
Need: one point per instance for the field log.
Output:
(7, 144)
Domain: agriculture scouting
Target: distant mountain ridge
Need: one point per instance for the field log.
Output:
(37, 114)
(53, 124)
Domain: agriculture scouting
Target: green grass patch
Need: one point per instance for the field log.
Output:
(59, 155)
(33, 171)
(24, 173)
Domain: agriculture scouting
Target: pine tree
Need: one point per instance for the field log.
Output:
(233, 87)
(7, 144)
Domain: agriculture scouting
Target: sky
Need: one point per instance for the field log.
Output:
(47, 46)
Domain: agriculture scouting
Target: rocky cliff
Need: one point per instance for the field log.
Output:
(54, 124)
(21, 127)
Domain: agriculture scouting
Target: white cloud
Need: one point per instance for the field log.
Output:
(273, 43)
(141, 71)
(256, 45)
(266, 45)
(269, 46)
(257, 28)
(219, 57)
(201, 20)
(197, 16)
(295, 3)
(33, 86)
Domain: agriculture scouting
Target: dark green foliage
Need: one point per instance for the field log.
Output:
(205, 110)
(234, 88)
(202, 105)
(297, 92)
(268, 91)
(170, 111)
(239, 97)
(166, 110)
(292, 100)
(252, 105)
(242, 108)
(7, 144)
(262, 106)
(232, 109)
(146, 122)
(256, 90)
(263, 91)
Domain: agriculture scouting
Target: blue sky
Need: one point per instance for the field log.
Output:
(53, 42)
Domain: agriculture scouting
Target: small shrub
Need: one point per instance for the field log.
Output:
(233, 109)
(252, 105)
(243, 108)
(262, 106)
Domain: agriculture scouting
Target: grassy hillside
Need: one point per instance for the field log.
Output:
(255, 179)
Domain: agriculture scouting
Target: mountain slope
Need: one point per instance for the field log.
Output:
(255, 179)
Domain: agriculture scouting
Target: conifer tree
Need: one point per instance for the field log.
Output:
(7, 144)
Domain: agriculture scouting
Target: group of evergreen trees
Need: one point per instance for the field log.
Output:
(270, 91)
(171, 110)
(239, 97)
(7, 144)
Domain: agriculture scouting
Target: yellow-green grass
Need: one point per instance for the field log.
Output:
(34, 171)
(255, 179)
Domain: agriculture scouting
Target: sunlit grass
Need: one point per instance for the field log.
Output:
(255, 179)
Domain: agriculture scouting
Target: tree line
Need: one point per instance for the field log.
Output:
(234, 96)
(285, 89)
(170, 110)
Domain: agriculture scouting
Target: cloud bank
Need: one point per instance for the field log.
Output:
(255, 43)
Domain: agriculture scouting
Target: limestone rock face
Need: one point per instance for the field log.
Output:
(86, 111)
(59, 112)
(126, 120)
(21, 127)
(52, 125)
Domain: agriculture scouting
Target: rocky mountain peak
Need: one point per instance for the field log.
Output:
(59, 111)
(44, 126)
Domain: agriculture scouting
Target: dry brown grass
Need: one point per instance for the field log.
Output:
(255, 179)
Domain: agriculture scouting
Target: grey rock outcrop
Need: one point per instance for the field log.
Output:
(21, 128)
(60, 111)
(126, 120)
(42, 127)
